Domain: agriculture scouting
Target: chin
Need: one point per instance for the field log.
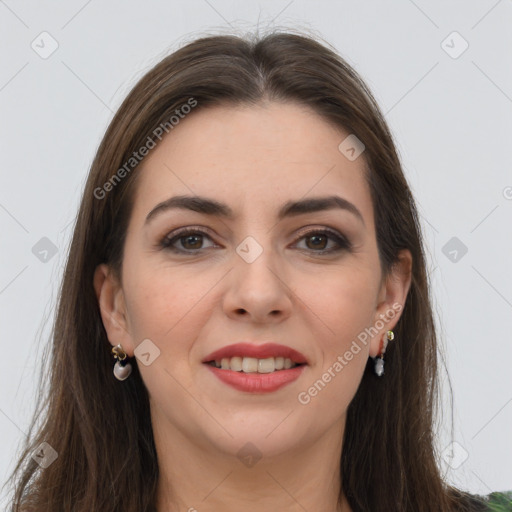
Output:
(259, 434)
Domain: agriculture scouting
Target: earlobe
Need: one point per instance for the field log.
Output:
(393, 295)
(112, 307)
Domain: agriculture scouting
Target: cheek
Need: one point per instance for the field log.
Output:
(346, 309)
(171, 313)
(165, 307)
(344, 305)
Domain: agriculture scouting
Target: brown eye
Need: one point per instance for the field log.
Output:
(317, 241)
(189, 240)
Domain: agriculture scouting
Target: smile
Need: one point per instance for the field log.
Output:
(254, 365)
(256, 368)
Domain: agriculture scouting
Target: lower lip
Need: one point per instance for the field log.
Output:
(257, 382)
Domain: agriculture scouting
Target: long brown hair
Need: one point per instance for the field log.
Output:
(100, 428)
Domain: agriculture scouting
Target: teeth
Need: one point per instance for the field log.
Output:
(236, 364)
(254, 365)
(249, 365)
(266, 365)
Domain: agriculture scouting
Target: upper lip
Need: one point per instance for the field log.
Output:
(259, 351)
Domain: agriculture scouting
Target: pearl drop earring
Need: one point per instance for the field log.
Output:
(122, 369)
(379, 361)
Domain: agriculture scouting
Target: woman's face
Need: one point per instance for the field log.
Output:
(251, 271)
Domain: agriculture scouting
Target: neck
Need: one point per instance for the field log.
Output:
(195, 479)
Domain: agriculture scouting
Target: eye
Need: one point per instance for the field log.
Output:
(319, 240)
(190, 239)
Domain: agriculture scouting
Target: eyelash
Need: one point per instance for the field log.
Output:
(343, 243)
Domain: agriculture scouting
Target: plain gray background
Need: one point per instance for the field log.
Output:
(449, 108)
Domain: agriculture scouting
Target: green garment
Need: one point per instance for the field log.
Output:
(499, 501)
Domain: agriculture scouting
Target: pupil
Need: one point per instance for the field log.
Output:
(191, 237)
(312, 237)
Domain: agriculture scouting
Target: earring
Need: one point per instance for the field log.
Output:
(122, 368)
(379, 361)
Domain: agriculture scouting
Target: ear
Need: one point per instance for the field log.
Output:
(391, 299)
(113, 308)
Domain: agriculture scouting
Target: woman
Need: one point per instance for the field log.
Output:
(245, 318)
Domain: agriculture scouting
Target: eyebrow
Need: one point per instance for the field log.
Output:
(212, 207)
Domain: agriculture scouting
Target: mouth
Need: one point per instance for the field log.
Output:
(256, 368)
(247, 364)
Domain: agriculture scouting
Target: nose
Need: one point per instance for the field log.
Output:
(258, 290)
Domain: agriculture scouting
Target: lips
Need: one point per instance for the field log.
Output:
(262, 351)
(259, 368)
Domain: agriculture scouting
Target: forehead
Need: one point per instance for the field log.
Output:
(265, 155)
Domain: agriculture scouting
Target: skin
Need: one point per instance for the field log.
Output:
(254, 159)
